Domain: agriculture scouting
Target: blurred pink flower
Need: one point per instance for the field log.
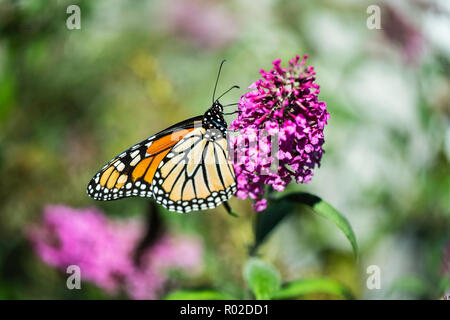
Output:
(283, 104)
(104, 250)
(169, 253)
(401, 32)
(203, 23)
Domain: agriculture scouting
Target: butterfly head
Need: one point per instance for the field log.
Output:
(213, 119)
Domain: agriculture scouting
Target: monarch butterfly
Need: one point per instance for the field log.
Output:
(184, 167)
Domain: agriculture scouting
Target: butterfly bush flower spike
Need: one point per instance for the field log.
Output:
(104, 250)
(283, 105)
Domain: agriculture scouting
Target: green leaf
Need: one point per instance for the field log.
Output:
(302, 287)
(267, 220)
(197, 295)
(7, 95)
(262, 278)
(324, 209)
(444, 284)
(410, 284)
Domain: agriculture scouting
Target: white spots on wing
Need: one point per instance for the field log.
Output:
(120, 166)
(134, 154)
(214, 200)
(122, 179)
(135, 160)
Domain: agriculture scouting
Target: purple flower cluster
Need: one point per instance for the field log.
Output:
(284, 105)
(103, 249)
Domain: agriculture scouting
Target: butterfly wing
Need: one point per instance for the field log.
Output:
(196, 174)
(131, 172)
(181, 167)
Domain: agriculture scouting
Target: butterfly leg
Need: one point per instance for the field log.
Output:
(229, 210)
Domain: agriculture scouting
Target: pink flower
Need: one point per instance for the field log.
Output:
(202, 23)
(260, 205)
(104, 250)
(284, 105)
(402, 33)
(168, 254)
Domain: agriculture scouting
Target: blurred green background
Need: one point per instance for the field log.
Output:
(70, 100)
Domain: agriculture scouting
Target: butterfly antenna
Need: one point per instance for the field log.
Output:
(233, 87)
(231, 104)
(217, 79)
(230, 113)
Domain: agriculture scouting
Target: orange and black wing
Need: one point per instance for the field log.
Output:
(196, 174)
(131, 173)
